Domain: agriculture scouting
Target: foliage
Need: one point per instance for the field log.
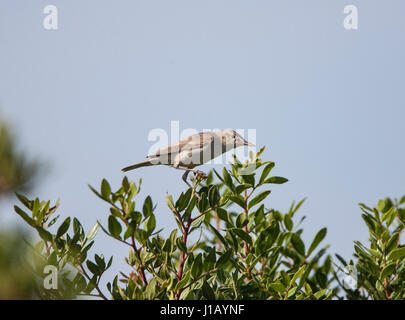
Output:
(17, 171)
(381, 264)
(244, 249)
(16, 281)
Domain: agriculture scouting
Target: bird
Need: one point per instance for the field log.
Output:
(193, 151)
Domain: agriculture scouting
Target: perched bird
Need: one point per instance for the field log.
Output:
(193, 151)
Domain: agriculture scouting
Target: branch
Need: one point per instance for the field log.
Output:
(83, 272)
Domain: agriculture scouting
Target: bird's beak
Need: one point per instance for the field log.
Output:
(247, 143)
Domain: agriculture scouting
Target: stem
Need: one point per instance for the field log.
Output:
(203, 213)
(141, 268)
(246, 245)
(183, 255)
(200, 277)
(218, 227)
(83, 272)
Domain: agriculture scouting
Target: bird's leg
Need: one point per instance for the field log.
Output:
(187, 171)
(185, 178)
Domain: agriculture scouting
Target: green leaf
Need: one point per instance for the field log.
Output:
(130, 230)
(260, 151)
(266, 172)
(389, 216)
(136, 217)
(260, 197)
(249, 179)
(115, 212)
(52, 222)
(224, 259)
(181, 284)
(150, 289)
(228, 179)
(210, 259)
(381, 205)
(45, 235)
(396, 254)
(77, 230)
(95, 192)
(388, 270)
(197, 222)
(25, 216)
(35, 207)
(150, 224)
(184, 200)
(241, 220)
(362, 205)
(320, 293)
(94, 269)
(63, 227)
(197, 266)
(276, 180)
(392, 242)
(297, 275)
(340, 258)
(185, 294)
(318, 238)
(218, 235)
(241, 187)
(224, 215)
(203, 204)
(125, 184)
(238, 200)
(288, 222)
(277, 286)
(24, 200)
(105, 189)
(218, 175)
(92, 233)
(214, 196)
(100, 261)
(209, 179)
(242, 234)
(181, 245)
(368, 219)
(170, 203)
(207, 291)
(114, 226)
(147, 207)
(293, 209)
(402, 201)
(190, 207)
(298, 244)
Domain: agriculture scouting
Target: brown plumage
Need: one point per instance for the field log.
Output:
(193, 151)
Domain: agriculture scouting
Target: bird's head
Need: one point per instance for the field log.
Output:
(231, 139)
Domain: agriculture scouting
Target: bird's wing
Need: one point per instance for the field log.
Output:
(185, 144)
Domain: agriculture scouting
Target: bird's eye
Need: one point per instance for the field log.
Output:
(234, 136)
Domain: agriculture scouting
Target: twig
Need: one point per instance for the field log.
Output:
(141, 267)
(82, 271)
(183, 255)
(246, 245)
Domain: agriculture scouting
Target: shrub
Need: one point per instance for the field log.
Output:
(380, 265)
(244, 250)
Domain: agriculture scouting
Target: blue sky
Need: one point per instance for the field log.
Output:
(328, 103)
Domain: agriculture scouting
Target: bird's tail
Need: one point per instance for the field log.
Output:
(138, 165)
